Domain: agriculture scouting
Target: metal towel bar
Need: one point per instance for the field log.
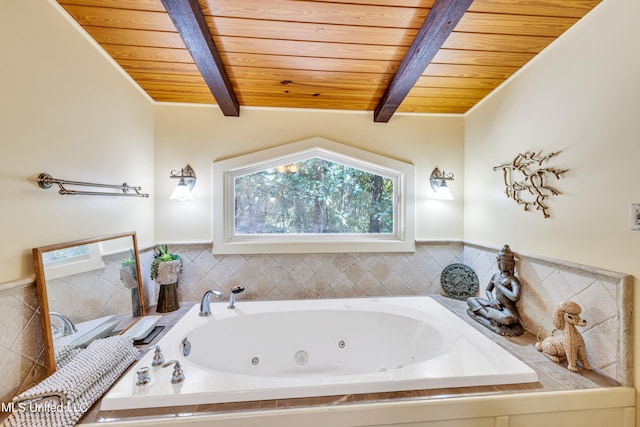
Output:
(45, 181)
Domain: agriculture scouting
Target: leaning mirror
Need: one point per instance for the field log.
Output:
(88, 289)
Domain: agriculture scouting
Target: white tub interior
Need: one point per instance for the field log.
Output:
(303, 348)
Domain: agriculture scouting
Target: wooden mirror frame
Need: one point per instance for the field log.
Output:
(41, 285)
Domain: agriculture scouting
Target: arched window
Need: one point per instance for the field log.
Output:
(312, 196)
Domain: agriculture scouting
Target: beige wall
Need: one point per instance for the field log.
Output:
(581, 98)
(65, 110)
(199, 135)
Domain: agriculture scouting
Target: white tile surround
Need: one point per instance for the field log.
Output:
(295, 276)
(604, 296)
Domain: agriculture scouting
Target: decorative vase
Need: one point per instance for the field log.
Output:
(168, 298)
(127, 275)
(167, 278)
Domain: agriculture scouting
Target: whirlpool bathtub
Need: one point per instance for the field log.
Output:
(304, 348)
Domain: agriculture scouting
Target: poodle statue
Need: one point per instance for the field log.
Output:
(570, 344)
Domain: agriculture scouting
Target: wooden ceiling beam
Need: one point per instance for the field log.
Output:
(436, 28)
(190, 22)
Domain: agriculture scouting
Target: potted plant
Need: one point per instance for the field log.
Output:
(165, 270)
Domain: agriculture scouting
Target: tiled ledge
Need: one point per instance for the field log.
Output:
(606, 299)
(552, 377)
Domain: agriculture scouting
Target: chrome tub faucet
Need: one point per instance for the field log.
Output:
(205, 304)
(68, 327)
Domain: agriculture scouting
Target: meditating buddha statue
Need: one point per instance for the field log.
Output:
(498, 310)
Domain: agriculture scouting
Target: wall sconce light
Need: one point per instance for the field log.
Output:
(187, 181)
(439, 185)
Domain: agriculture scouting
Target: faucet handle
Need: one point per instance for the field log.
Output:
(158, 358)
(143, 376)
(178, 375)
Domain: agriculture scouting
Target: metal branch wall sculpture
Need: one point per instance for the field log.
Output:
(525, 180)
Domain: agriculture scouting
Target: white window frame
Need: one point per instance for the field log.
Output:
(402, 239)
(76, 265)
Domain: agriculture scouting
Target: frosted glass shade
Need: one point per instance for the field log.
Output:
(181, 192)
(443, 192)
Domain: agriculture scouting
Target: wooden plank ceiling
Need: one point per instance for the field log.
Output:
(327, 54)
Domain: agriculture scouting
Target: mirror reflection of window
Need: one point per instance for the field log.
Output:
(74, 260)
(73, 254)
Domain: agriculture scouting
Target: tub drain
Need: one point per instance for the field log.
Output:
(301, 357)
(255, 360)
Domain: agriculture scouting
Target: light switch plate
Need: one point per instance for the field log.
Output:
(635, 216)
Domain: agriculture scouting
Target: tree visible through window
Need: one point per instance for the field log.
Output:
(313, 196)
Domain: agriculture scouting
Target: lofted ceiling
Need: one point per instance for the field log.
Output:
(422, 56)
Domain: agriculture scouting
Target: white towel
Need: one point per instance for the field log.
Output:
(61, 399)
(64, 354)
